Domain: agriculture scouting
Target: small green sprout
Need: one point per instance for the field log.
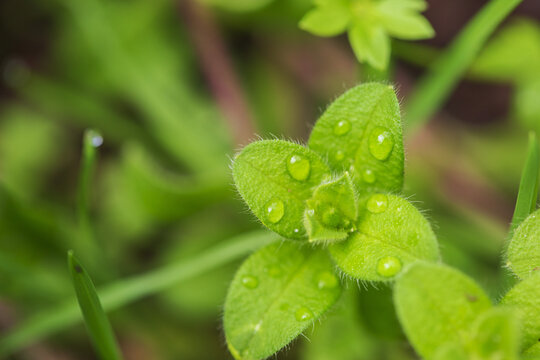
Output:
(370, 24)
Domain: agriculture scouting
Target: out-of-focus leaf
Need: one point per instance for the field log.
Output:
(437, 305)
(370, 44)
(525, 299)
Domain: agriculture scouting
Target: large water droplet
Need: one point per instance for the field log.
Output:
(340, 155)
(298, 167)
(275, 210)
(389, 266)
(368, 176)
(303, 314)
(380, 143)
(377, 203)
(95, 138)
(326, 280)
(342, 127)
(250, 282)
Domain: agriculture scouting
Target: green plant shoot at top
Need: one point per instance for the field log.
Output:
(336, 204)
(370, 24)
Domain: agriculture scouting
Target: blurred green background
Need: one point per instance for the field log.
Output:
(174, 88)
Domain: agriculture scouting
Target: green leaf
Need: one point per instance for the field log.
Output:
(347, 134)
(277, 293)
(392, 233)
(437, 305)
(404, 5)
(524, 249)
(451, 351)
(532, 353)
(275, 178)
(370, 44)
(96, 321)
(327, 20)
(495, 335)
(525, 298)
(528, 186)
(239, 5)
(406, 25)
(331, 212)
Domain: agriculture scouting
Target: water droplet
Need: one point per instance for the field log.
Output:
(250, 282)
(340, 155)
(377, 203)
(342, 127)
(275, 210)
(303, 314)
(97, 140)
(327, 280)
(298, 167)
(380, 143)
(368, 176)
(296, 231)
(274, 271)
(389, 266)
(311, 212)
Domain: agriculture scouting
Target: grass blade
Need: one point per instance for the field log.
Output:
(126, 291)
(528, 186)
(96, 321)
(447, 70)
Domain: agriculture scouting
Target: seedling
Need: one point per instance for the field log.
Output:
(336, 204)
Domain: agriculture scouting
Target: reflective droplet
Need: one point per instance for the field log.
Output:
(97, 141)
(377, 203)
(298, 167)
(95, 138)
(296, 231)
(303, 314)
(250, 282)
(275, 210)
(326, 280)
(274, 271)
(342, 127)
(340, 155)
(389, 266)
(380, 143)
(368, 176)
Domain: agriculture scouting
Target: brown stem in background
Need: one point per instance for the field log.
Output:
(217, 68)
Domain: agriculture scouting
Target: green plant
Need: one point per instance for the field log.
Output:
(369, 24)
(336, 203)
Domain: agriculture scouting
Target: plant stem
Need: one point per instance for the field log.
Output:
(124, 292)
(218, 69)
(434, 88)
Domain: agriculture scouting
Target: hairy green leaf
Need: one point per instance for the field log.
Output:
(450, 351)
(331, 212)
(524, 249)
(495, 335)
(525, 298)
(275, 178)
(532, 353)
(96, 321)
(437, 305)
(361, 131)
(327, 20)
(278, 292)
(391, 234)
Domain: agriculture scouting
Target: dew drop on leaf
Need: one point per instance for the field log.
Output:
(250, 282)
(303, 314)
(388, 266)
(368, 176)
(327, 280)
(298, 167)
(339, 155)
(275, 210)
(380, 143)
(377, 203)
(342, 127)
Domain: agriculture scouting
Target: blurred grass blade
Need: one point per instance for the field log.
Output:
(437, 84)
(96, 321)
(528, 186)
(126, 291)
(91, 141)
